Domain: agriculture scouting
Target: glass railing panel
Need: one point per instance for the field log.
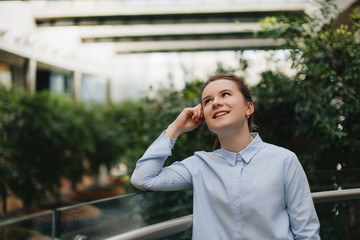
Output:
(339, 220)
(32, 227)
(109, 217)
(333, 180)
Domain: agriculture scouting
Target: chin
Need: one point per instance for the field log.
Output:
(227, 128)
(217, 129)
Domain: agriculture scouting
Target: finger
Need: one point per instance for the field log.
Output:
(190, 113)
(201, 112)
(197, 113)
(199, 116)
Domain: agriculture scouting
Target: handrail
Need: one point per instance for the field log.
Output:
(336, 195)
(181, 224)
(28, 217)
(156, 231)
(94, 202)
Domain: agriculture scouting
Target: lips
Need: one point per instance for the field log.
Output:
(219, 114)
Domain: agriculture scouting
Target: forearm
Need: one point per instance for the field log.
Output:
(151, 163)
(188, 120)
(173, 131)
(149, 173)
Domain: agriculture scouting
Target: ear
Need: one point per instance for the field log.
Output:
(249, 108)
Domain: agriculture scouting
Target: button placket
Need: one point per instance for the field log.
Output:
(237, 196)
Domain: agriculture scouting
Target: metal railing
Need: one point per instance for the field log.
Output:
(159, 230)
(182, 224)
(68, 222)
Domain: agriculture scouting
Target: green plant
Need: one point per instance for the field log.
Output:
(326, 88)
(316, 112)
(37, 142)
(45, 138)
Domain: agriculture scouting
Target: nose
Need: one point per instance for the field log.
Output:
(216, 102)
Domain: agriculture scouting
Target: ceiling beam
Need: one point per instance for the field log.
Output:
(200, 45)
(166, 28)
(72, 14)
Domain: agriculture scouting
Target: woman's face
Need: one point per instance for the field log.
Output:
(224, 107)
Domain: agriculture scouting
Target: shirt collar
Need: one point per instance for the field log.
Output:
(246, 154)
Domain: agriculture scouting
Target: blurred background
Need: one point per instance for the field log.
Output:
(87, 86)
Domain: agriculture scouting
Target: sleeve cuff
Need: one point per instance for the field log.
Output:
(171, 141)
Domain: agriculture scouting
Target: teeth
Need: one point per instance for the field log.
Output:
(220, 114)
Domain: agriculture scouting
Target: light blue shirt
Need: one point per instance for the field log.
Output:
(258, 193)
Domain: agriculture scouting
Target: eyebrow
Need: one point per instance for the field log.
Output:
(224, 90)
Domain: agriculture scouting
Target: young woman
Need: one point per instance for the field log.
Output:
(246, 189)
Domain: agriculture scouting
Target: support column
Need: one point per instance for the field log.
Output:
(109, 94)
(76, 86)
(30, 75)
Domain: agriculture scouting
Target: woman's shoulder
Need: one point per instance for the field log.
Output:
(201, 157)
(204, 155)
(272, 149)
(202, 160)
(196, 161)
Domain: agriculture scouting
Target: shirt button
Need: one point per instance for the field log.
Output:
(237, 236)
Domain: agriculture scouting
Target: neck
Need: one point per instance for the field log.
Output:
(235, 141)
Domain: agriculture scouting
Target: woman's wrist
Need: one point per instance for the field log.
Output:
(172, 131)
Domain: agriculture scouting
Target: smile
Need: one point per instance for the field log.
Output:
(219, 114)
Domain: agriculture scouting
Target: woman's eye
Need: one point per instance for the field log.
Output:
(225, 94)
(206, 101)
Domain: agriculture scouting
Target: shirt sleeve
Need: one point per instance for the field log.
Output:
(149, 173)
(303, 218)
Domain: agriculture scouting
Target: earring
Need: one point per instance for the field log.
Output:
(248, 116)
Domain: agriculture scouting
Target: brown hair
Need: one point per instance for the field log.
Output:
(243, 88)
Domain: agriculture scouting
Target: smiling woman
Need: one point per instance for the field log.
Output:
(227, 106)
(246, 189)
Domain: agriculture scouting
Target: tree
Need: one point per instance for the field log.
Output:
(326, 88)
(45, 138)
(38, 146)
(316, 112)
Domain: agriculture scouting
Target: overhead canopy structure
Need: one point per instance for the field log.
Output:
(195, 26)
(88, 40)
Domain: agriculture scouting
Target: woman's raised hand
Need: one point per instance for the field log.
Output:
(188, 120)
